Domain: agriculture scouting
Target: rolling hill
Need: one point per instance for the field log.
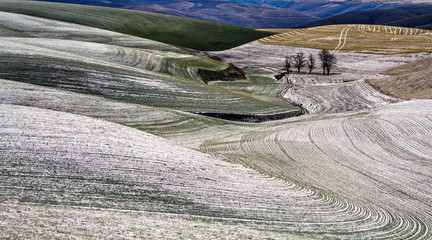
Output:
(324, 9)
(89, 61)
(251, 14)
(238, 14)
(185, 32)
(98, 77)
(414, 16)
(356, 38)
(100, 136)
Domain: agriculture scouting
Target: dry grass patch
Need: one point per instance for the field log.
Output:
(375, 39)
(409, 81)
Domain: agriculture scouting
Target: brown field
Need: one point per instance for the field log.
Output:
(408, 81)
(355, 38)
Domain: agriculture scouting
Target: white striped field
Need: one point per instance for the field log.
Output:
(338, 98)
(177, 64)
(382, 157)
(43, 66)
(29, 26)
(75, 162)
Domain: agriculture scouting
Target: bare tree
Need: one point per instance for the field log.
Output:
(311, 63)
(328, 61)
(288, 64)
(323, 55)
(299, 61)
(331, 63)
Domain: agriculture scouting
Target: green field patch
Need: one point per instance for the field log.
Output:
(176, 64)
(6, 31)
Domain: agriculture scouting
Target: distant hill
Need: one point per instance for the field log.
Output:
(325, 8)
(414, 16)
(238, 14)
(245, 13)
(179, 31)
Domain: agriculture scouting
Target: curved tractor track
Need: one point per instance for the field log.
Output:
(343, 37)
(374, 157)
(121, 162)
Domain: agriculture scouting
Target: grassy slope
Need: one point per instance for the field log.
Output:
(18, 25)
(409, 81)
(359, 38)
(176, 64)
(186, 32)
(116, 81)
(117, 62)
(32, 221)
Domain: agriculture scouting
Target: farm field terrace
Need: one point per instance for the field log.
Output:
(97, 141)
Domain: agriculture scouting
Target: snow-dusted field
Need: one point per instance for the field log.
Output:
(19, 25)
(55, 158)
(381, 157)
(98, 75)
(351, 66)
(344, 91)
(337, 98)
(173, 63)
(95, 143)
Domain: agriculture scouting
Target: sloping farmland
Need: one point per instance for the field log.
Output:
(408, 81)
(96, 141)
(374, 39)
(19, 25)
(36, 65)
(87, 165)
(174, 30)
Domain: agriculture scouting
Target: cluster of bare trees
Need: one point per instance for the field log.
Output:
(299, 60)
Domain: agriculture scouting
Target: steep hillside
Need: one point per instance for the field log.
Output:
(409, 81)
(186, 32)
(415, 16)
